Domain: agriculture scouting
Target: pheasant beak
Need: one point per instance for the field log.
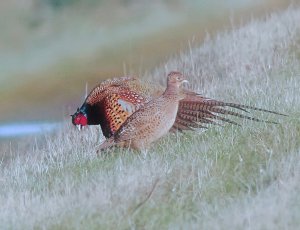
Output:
(184, 81)
(79, 127)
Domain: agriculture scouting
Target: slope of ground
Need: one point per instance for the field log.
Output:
(225, 178)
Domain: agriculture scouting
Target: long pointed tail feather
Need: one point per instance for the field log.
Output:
(196, 118)
(227, 112)
(240, 106)
(204, 114)
(187, 125)
(195, 110)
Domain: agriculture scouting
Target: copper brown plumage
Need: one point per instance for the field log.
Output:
(152, 121)
(113, 101)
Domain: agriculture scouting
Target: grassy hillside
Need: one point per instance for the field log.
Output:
(225, 178)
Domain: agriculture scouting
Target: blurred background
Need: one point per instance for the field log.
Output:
(52, 50)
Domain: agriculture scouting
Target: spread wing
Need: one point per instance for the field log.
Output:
(118, 107)
(107, 87)
(112, 102)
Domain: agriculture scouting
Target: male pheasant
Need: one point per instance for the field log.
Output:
(113, 101)
(152, 121)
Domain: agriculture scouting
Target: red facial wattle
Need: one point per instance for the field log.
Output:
(80, 119)
(83, 120)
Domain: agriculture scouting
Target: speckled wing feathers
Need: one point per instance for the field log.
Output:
(109, 86)
(119, 97)
(114, 113)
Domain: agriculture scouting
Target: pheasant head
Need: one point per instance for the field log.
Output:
(79, 118)
(174, 81)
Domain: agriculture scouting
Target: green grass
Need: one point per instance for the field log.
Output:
(224, 178)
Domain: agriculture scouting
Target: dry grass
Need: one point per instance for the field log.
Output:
(225, 178)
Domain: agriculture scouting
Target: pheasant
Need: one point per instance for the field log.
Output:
(152, 121)
(111, 102)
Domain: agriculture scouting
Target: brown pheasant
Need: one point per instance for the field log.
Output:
(113, 101)
(152, 121)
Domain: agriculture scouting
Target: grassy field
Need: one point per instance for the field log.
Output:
(225, 178)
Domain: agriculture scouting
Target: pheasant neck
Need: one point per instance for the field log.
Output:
(172, 90)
